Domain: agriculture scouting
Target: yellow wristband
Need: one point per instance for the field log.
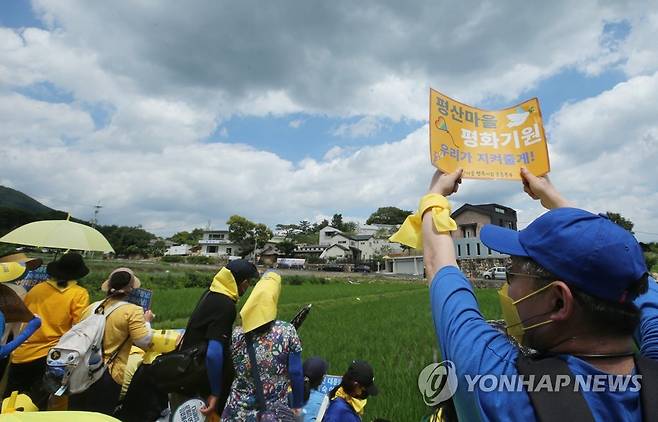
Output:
(410, 233)
(440, 212)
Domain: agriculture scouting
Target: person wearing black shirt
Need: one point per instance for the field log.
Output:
(212, 323)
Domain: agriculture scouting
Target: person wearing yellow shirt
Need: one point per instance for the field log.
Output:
(59, 302)
(126, 326)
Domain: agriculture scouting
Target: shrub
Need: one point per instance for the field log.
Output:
(201, 260)
(197, 279)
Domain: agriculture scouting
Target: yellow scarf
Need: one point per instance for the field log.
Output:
(410, 233)
(224, 283)
(62, 289)
(358, 405)
(260, 307)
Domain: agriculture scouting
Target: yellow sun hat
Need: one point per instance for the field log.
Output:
(12, 271)
(261, 306)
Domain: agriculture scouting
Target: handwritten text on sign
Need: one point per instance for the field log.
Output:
(487, 144)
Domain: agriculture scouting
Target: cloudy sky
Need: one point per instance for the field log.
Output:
(173, 114)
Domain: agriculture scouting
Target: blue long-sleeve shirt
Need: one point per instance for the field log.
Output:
(296, 374)
(647, 332)
(476, 348)
(29, 329)
(214, 363)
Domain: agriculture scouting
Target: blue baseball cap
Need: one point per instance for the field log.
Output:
(585, 250)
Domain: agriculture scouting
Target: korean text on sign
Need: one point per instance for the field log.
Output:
(487, 144)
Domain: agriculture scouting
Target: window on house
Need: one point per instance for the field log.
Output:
(228, 251)
(211, 249)
(217, 236)
(510, 225)
(478, 248)
(499, 210)
(459, 250)
(468, 249)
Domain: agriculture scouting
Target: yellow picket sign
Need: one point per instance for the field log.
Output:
(487, 144)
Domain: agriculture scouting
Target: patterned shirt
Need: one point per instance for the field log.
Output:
(272, 350)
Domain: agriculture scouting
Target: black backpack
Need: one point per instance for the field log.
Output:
(569, 405)
(181, 371)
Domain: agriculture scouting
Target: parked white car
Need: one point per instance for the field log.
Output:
(497, 273)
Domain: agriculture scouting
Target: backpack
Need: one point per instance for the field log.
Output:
(572, 405)
(76, 362)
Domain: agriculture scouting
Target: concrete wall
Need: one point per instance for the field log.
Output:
(472, 268)
(335, 252)
(474, 248)
(470, 217)
(411, 266)
(222, 250)
(324, 238)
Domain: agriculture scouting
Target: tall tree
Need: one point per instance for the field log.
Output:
(388, 215)
(247, 234)
(187, 238)
(287, 247)
(349, 227)
(619, 219)
(128, 241)
(304, 226)
(288, 230)
(337, 221)
(319, 226)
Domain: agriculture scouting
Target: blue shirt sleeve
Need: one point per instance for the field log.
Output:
(296, 374)
(214, 362)
(29, 329)
(476, 349)
(647, 333)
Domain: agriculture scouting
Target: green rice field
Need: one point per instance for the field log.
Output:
(385, 322)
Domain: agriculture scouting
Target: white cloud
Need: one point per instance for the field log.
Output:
(640, 47)
(170, 75)
(295, 124)
(362, 128)
(334, 58)
(334, 152)
(23, 120)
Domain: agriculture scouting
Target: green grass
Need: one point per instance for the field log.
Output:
(386, 323)
(390, 326)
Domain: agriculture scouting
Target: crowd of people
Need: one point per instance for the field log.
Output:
(252, 371)
(578, 294)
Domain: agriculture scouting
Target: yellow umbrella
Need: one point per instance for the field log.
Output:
(60, 234)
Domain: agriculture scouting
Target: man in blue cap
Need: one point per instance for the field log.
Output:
(569, 295)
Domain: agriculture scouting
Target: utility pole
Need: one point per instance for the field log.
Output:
(97, 208)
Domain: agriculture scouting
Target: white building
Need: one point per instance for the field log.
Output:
(410, 265)
(178, 250)
(364, 246)
(216, 243)
(336, 251)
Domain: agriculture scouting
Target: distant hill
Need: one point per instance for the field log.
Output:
(17, 209)
(11, 198)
